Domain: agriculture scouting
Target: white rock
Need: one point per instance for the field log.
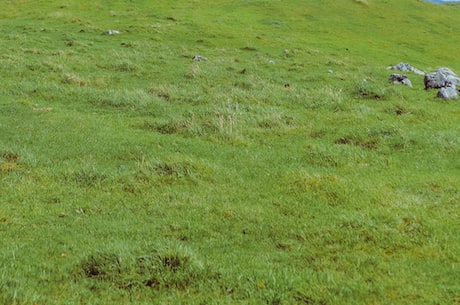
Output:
(112, 32)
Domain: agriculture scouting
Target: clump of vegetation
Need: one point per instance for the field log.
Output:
(159, 269)
(9, 161)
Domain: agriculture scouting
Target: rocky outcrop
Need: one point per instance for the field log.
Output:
(441, 78)
(445, 80)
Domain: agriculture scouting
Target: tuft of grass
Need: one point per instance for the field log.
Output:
(173, 171)
(9, 161)
(165, 267)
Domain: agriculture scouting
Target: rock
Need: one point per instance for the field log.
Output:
(405, 67)
(448, 93)
(399, 79)
(407, 82)
(112, 32)
(396, 77)
(443, 77)
(199, 58)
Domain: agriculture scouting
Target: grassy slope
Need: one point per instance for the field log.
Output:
(131, 173)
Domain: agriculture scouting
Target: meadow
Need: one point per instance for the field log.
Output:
(283, 169)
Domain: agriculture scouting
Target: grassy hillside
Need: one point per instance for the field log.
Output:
(284, 169)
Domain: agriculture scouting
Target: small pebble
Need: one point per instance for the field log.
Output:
(199, 58)
(112, 32)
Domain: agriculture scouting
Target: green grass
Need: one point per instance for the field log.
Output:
(131, 174)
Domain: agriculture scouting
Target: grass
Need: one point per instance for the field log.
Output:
(285, 169)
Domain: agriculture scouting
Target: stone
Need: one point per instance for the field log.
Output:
(407, 82)
(405, 67)
(443, 77)
(448, 93)
(199, 58)
(112, 32)
(399, 79)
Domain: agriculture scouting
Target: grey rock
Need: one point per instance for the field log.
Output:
(199, 58)
(407, 82)
(448, 93)
(112, 32)
(399, 79)
(443, 77)
(405, 67)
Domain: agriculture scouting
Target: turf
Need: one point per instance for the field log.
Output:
(284, 169)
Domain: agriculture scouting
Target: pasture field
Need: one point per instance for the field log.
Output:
(283, 169)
